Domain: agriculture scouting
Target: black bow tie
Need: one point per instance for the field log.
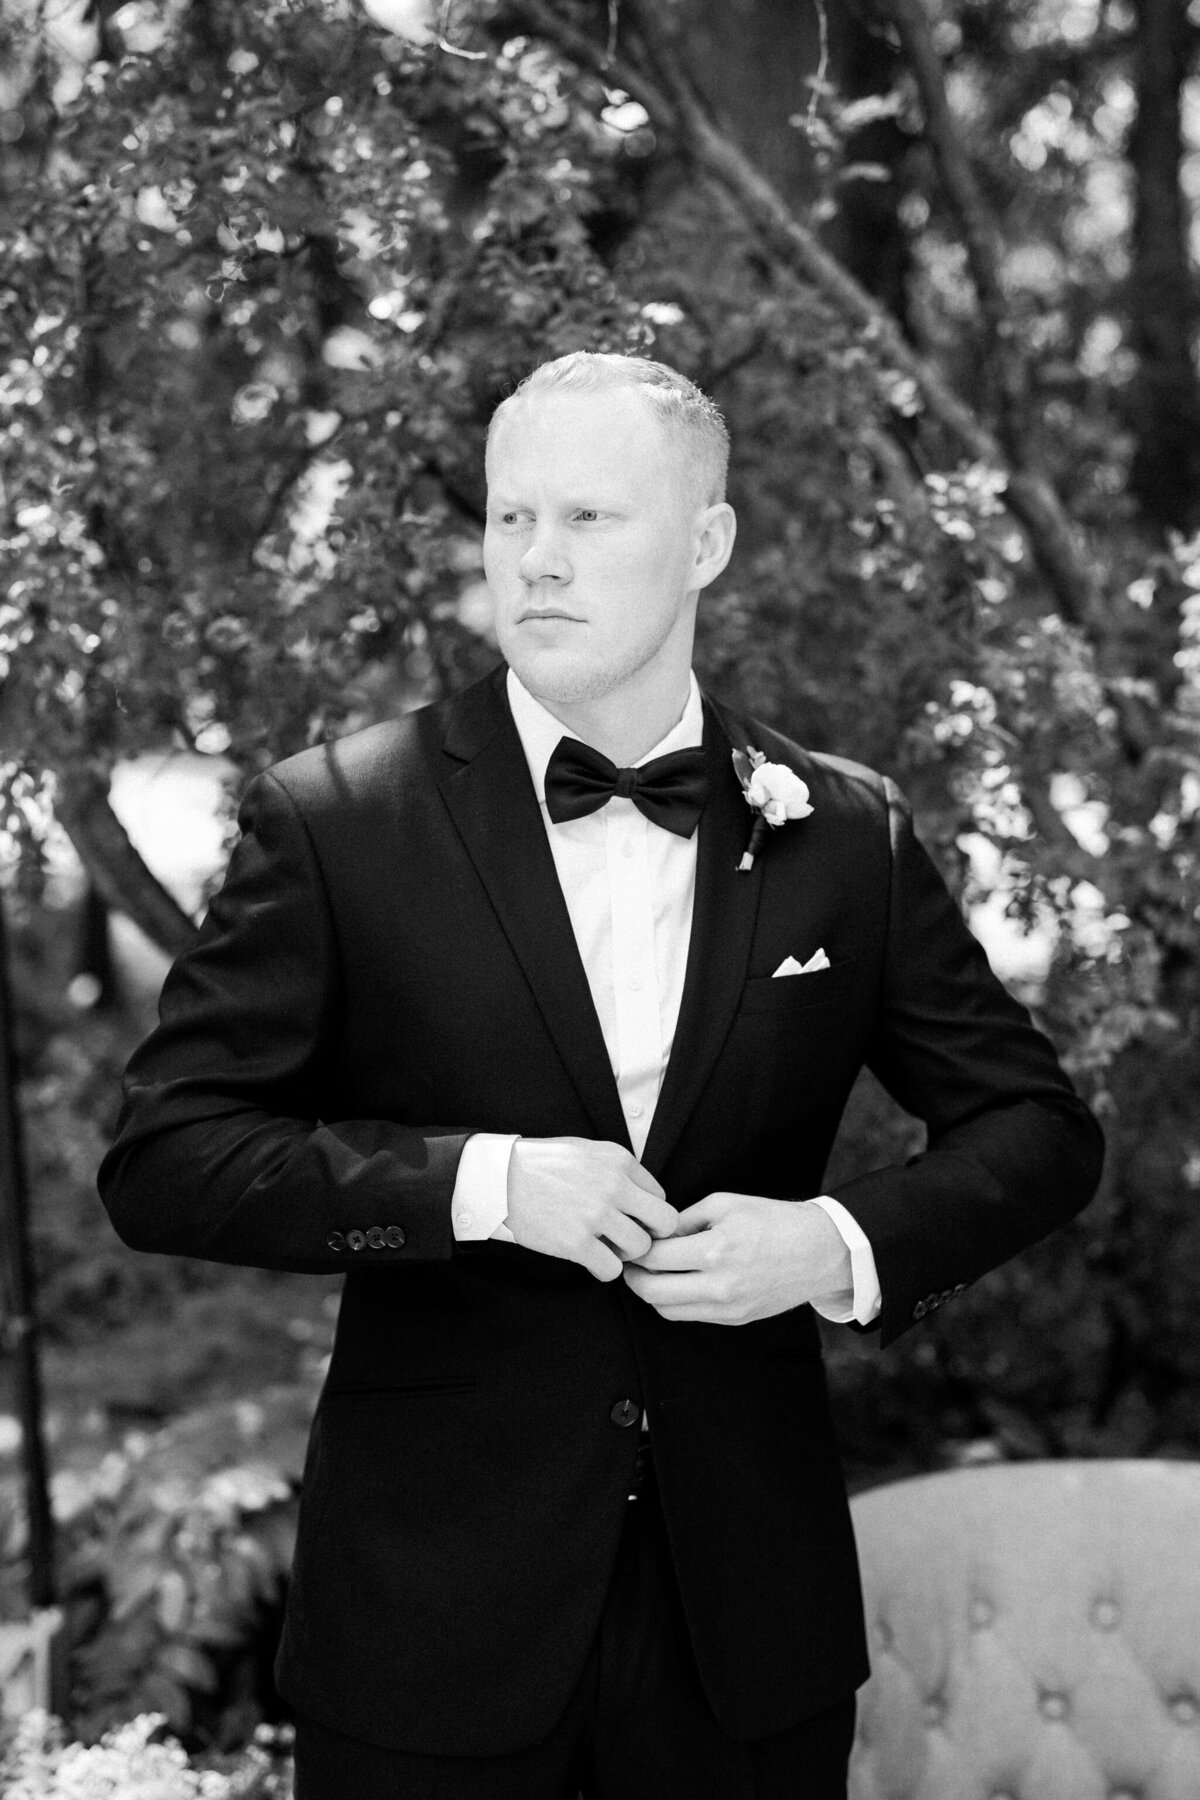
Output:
(671, 790)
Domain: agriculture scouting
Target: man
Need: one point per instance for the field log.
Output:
(515, 1038)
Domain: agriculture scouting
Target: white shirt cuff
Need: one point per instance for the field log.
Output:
(866, 1298)
(479, 1205)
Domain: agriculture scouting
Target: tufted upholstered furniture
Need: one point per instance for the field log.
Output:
(1035, 1634)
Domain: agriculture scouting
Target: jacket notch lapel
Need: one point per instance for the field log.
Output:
(724, 912)
(492, 802)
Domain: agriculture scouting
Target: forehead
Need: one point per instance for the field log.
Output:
(611, 434)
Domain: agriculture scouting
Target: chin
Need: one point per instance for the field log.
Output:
(554, 677)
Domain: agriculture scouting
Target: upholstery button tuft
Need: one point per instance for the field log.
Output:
(1106, 1615)
(1185, 1709)
(356, 1239)
(624, 1413)
(393, 1237)
(1053, 1706)
(375, 1238)
(336, 1241)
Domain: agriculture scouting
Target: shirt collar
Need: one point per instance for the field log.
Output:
(539, 731)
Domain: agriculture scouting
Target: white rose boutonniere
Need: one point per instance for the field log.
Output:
(774, 793)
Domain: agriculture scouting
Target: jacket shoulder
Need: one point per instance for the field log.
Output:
(349, 767)
(380, 761)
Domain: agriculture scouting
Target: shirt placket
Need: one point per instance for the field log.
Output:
(637, 1007)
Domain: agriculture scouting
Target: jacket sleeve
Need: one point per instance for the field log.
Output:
(221, 1151)
(1012, 1152)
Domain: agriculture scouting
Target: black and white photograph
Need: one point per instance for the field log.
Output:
(600, 899)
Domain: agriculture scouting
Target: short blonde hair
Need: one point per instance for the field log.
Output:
(692, 421)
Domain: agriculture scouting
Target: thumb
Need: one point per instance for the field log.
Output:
(703, 1214)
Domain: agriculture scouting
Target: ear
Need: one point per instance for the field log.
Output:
(715, 531)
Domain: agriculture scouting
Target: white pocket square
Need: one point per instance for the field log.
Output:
(789, 965)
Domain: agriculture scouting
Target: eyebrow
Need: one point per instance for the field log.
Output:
(598, 501)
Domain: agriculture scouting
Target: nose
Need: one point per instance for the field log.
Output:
(543, 558)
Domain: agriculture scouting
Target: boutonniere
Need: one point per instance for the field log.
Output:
(774, 794)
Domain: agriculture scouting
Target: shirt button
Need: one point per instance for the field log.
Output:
(464, 1220)
(635, 1109)
(637, 982)
(624, 1413)
(629, 849)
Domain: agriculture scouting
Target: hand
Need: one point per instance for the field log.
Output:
(591, 1203)
(738, 1257)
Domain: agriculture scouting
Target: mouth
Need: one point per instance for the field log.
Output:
(530, 617)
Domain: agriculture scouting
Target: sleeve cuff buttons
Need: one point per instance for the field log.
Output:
(931, 1302)
(375, 1237)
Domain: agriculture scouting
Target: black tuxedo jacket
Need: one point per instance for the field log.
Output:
(389, 967)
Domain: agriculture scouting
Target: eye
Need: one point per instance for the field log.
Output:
(587, 514)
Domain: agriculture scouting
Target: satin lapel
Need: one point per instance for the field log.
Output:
(723, 916)
(493, 805)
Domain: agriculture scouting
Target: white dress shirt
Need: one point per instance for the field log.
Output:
(629, 887)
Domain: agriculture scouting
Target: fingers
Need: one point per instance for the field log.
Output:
(704, 1213)
(657, 1216)
(625, 1236)
(677, 1253)
(599, 1260)
(642, 1177)
(648, 1203)
(666, 1293)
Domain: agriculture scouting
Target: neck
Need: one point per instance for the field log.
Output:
(621, 726)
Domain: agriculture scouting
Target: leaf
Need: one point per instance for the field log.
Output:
(190, 1666)
(172, 1601)
(132, 1587)
(161, 1692)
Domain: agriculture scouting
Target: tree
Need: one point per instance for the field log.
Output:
(272, 267)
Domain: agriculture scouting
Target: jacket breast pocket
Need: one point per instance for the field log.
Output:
(793, 993)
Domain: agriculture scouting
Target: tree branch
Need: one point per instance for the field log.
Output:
(675, 109)
(979, 231)
(121, 877)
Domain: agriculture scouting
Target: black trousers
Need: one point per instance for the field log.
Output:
(636, 1728)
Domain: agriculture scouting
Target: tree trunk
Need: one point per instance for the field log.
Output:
(1164, 400)
(755, 61)
(113, 866)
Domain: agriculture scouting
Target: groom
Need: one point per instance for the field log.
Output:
(489, 1017)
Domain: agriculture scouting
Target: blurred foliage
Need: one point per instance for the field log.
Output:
(268, 270)
(127, 1339)
(175, 1550)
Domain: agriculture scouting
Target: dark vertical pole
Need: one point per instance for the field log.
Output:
(17, 1323)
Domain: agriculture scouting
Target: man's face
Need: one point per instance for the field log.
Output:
(591, 545)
